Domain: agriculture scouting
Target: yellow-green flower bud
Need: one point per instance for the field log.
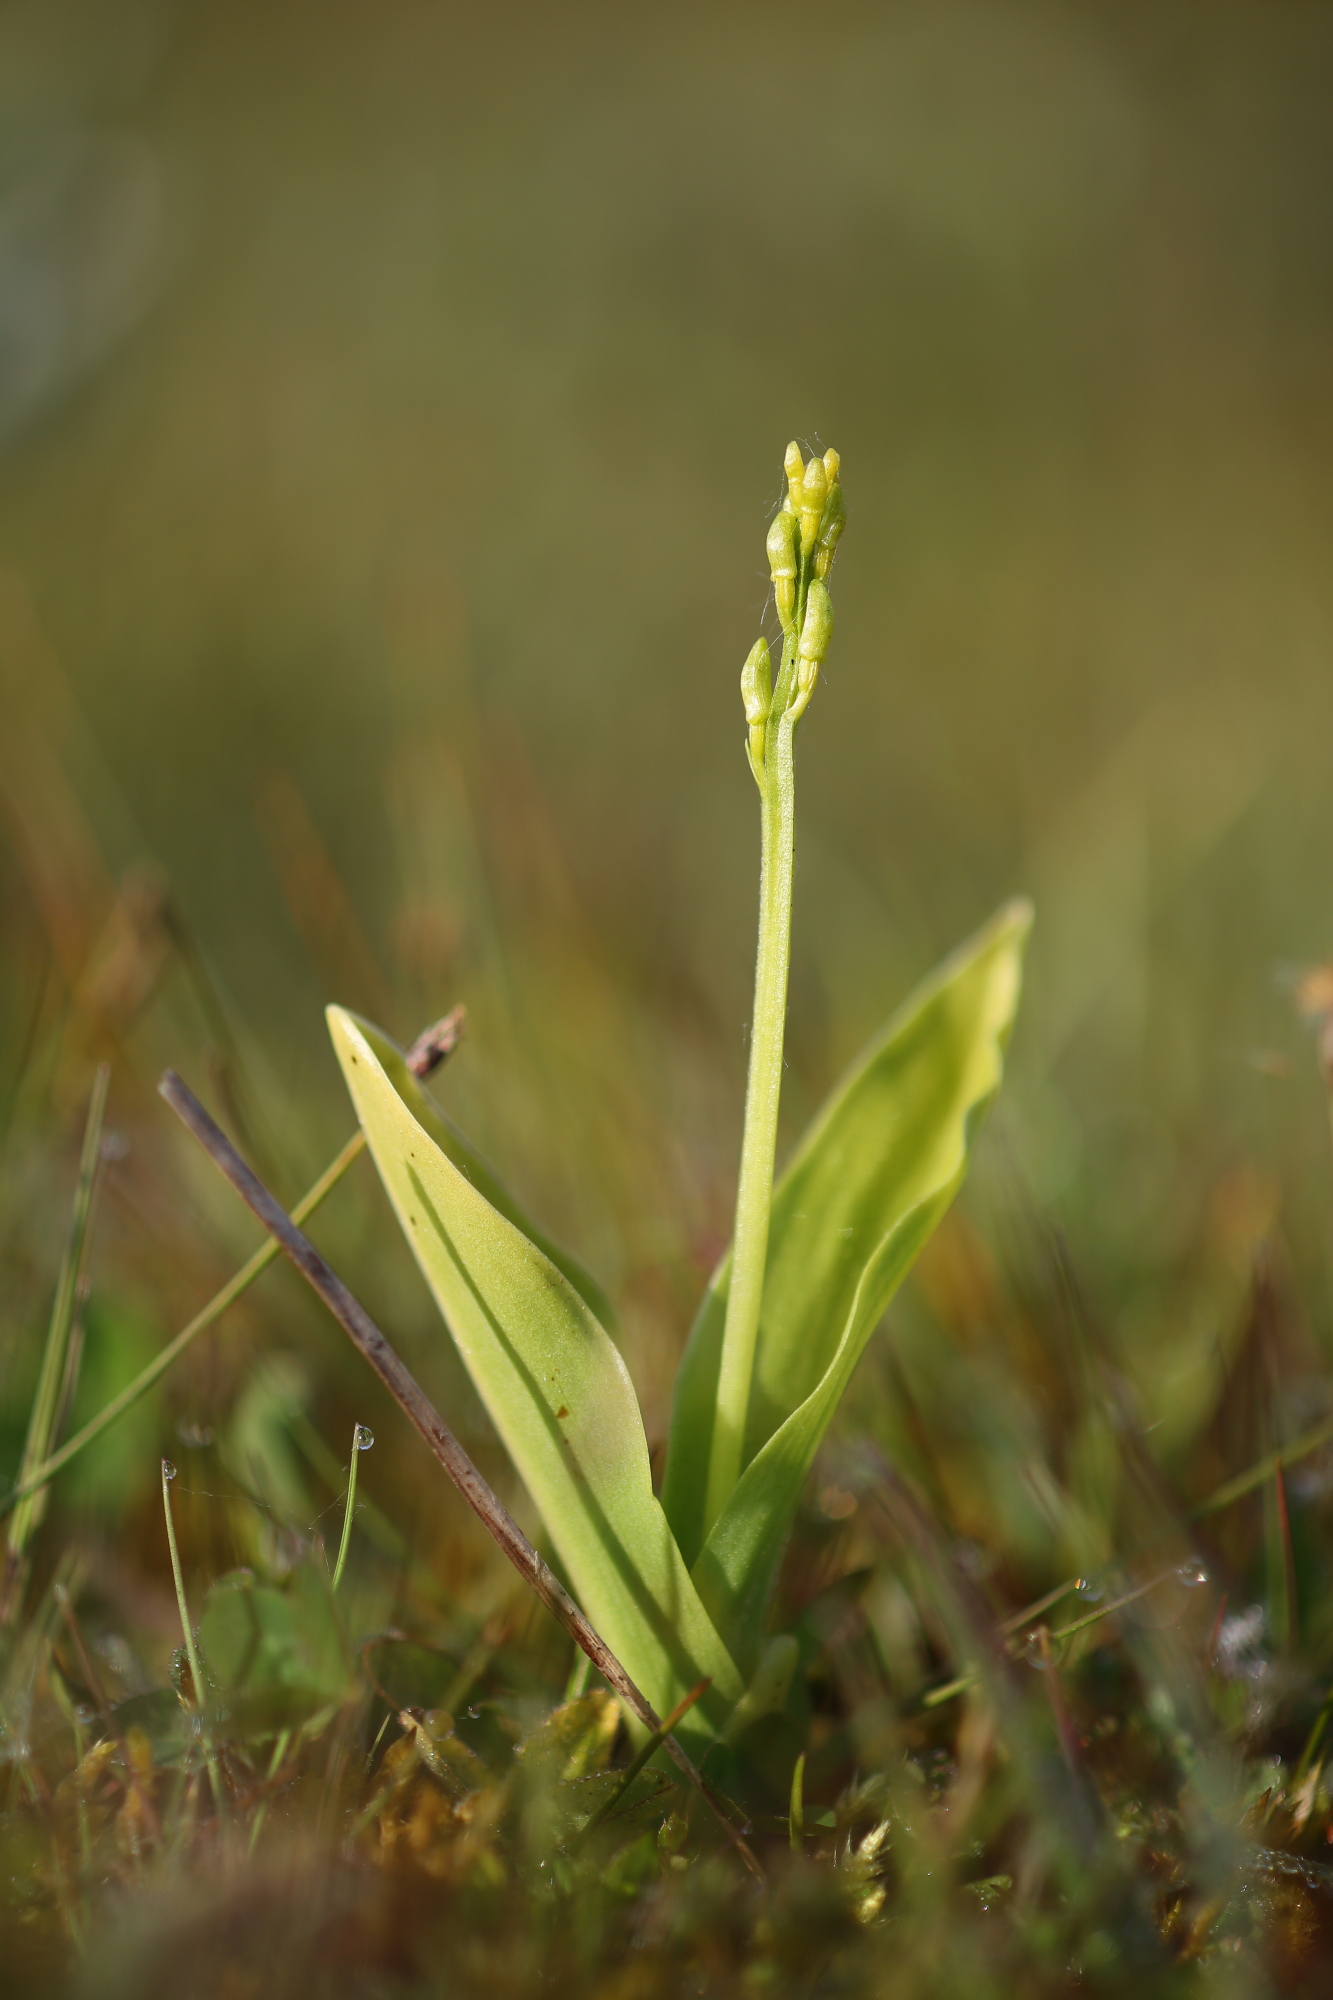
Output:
(782, 564)
(815, 635)
(757, 694)
(832, 464)
(814, 492)
(757, 683)
(794, 467)
(831, 527)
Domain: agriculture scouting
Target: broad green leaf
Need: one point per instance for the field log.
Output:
(278, 1655)
(558, 1394)
(865, 1188)
(257, 1447)
(469, 1162)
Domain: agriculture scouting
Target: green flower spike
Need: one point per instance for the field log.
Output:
(802, 534)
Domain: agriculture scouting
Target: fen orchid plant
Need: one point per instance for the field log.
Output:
(679, 1586)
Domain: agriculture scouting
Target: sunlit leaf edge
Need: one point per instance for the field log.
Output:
(458, 1148)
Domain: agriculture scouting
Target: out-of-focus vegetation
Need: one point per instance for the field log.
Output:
(315, 328)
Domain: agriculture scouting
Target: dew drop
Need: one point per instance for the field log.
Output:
(1090, 1588)
(168, 1469)
(365, 1437)
(1191, 1574)
(1032, 1649)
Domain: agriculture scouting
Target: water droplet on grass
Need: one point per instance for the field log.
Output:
(1192, 1574)
(168, 1469)
(365, 1437)
(1090, 1588)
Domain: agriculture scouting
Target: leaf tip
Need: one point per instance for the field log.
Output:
(345, 1034)
(1016, 916)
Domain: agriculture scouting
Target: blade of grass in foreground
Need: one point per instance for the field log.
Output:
(52, 1381)
(198, 1683)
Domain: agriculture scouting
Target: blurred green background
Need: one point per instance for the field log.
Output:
(392, 399)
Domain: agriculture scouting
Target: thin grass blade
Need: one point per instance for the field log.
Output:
(53, 1382)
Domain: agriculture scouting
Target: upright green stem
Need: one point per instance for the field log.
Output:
(800, 545)
(754, 1193)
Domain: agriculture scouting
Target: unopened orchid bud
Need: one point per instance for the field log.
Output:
(783, 563)
(794, 467)
(814, 492)
(831, 527)
(757, 683)
(757, 694)
(832, 464)
(815, 635)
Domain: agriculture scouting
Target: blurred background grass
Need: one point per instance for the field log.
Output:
(391, 401)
